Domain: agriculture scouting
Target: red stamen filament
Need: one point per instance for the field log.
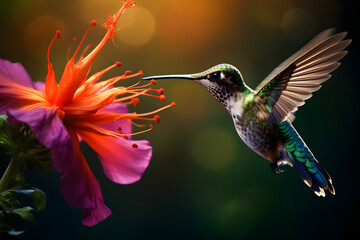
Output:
(94, 78)
(156, 118)
(150, 95)
(138, 125)
(93, 24)
(136, 87)
(137, 115)
(134, 101)
(83, 52)
(114, 80)
(57, 35)
(68, 51)
(137, 133)
(130, 97)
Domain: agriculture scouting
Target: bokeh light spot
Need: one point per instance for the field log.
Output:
(139, 27)
(213, 148)
(188, 26)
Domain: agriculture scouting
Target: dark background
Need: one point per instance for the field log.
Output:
(203, 182)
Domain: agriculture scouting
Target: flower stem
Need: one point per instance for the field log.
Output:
(9, 173)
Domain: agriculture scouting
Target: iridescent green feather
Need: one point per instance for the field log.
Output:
(295, 145)
(303, 160)
(271, 92)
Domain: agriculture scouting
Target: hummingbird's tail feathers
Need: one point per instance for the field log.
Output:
(318, 182)
(308, 168)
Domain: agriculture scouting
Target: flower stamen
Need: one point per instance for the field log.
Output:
(138, 125)
(135, 101)
(57, 35)
(82, 55)
(92, 24)
(136, 133)
(139, 115)
(50, 82)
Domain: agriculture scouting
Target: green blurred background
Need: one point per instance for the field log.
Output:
(203, 182)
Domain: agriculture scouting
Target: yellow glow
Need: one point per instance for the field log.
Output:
(139, 26)
(186, 26)
(139, 22)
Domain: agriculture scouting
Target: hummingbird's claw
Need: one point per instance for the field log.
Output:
(275, 168)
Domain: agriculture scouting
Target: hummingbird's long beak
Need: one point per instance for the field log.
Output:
(181, 76)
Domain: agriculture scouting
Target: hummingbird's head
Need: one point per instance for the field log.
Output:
(223, 81)
(220, 76)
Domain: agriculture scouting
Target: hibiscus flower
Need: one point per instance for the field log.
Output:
(80, 107)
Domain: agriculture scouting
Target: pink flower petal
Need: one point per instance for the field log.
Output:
(92, 216)
(50, 131)
(14, 72)
(11, 76)
(40, 86)
(81, 189)
(121, 162)
(124, 125)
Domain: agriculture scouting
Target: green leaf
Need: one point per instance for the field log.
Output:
(11, 210)
(3, 120)
(22, 190)
(24, 213)
(8, 198)
(39, 199)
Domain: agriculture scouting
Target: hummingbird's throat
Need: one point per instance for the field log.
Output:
(220, 93)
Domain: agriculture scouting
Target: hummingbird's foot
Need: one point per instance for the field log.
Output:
(275, 168)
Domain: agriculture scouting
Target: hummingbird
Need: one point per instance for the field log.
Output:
(263, 117)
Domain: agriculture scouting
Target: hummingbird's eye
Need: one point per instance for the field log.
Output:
(215, 76)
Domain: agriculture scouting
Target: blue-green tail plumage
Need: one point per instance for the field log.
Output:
(308, 168)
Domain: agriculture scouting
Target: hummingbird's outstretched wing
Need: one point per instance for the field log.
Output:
(289, 85)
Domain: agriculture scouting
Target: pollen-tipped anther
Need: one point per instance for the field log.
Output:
(162, 97)
(135, 101)
(153, 81)
(134, 145)
(161, 91)
(118, 64)
(157, 118)
(93, 23)
(134, 4)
